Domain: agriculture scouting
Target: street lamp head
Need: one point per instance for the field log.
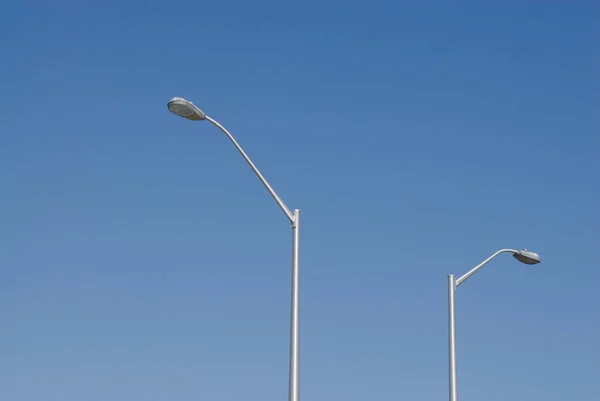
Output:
(527, 257)
(185, 109)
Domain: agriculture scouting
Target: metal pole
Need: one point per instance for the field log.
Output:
(294, 380)
(452, 338)
(294, 217)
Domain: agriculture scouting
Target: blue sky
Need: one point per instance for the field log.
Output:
(142, 260)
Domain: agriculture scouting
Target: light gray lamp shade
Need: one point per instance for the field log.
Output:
(527, 257)
(185, 109)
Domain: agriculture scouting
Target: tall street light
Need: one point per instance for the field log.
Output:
(187, 109)
(523, 256)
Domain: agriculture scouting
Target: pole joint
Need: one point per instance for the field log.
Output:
(294, 219)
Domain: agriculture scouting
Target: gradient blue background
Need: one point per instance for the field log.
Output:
(141, 260)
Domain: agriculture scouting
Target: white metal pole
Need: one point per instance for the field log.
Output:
(294, 217)
(294, 379)
(453, 393)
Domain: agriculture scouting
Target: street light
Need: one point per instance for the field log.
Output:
(187, 109)
(523, 256)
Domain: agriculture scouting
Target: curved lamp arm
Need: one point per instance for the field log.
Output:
(464, 278)
(262, 179)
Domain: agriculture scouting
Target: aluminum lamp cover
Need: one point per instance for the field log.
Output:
(527, 257)
(186, 109)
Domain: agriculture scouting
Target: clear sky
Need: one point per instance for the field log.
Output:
(141, 260)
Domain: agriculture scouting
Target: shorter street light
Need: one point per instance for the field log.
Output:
(523, 256)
